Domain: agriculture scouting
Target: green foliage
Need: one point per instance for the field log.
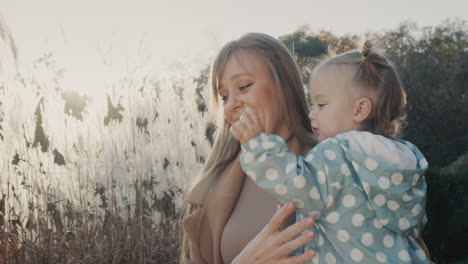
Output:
(304, 45)
(434, 70)
(446, 233)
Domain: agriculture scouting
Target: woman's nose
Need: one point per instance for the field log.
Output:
(233, 103)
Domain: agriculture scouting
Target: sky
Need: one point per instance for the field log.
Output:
(95, 40)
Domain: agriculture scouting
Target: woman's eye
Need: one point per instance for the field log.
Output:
(321, 105)
(224, 98)
(243, 87)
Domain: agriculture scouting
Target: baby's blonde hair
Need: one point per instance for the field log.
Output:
(373, 71)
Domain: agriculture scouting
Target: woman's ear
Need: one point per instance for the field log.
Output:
(362, 109)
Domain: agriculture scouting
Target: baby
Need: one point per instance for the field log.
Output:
(364, 187)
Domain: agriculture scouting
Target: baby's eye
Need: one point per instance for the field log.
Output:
(243, 87)
(321, 105)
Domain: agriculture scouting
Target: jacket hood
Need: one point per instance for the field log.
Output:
(391, 174)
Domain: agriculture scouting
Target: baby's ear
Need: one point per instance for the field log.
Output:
(362, 109)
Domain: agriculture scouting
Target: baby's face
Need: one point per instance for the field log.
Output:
(333, 102)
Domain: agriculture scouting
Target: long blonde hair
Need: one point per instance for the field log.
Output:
(293, 104)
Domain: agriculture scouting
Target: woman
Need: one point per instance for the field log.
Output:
(230, 220)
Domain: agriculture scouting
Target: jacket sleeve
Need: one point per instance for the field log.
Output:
(303, 180)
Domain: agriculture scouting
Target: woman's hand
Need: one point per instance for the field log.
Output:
(273, 246)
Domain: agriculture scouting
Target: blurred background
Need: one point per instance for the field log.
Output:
(104, 113)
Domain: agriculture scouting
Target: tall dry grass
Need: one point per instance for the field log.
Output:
(103, 185)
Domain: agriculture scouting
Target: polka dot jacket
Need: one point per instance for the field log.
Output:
(366, 192)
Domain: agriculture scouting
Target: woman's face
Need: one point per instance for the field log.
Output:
(247, 81)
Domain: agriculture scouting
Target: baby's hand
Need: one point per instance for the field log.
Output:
(247, 127)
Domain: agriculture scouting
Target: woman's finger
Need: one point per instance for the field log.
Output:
(295, 229)
(292, 245)
(279, 217)
(235, 132)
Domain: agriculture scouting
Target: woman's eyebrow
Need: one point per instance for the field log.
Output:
(238, 75)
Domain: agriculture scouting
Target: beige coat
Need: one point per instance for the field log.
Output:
(205, 225)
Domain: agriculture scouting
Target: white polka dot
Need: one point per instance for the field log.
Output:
(415, 179)
(298, 203)
(367, 239)
(355, 165)
(379, 199)
(392, 205)
(291, 166)
(404, 256)
(377, 224)
(253, 143)
(343, 236)
(267, 145)
(370, 207)
(423, 163)
(421, 254)
(263, 136)
(417, 191)
(330, 201)
(316, 258)
(388, 241)
(403, 223)
(321, 240)
(358, 220)
(333, 217)
(384, 183)
(381, 257)
(252, 175)
(371, 164)
(330, 258)
(271, 174)
(249, 157)
(309, 157)
(336, 184)
(406, 197)
(314, 193)
(397, 178)
(349, 200)
(345, 169)
(299, 181)
(416, 209)
(315, 214)
(330, 154)
(383, 221)
(321, 177)
(281, 189)
(356, 255)
(366, 187)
